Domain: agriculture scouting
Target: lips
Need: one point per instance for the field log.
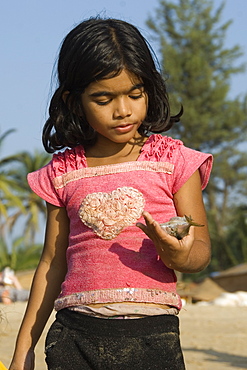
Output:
(124, 128)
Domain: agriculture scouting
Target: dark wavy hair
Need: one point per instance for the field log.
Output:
(96, 49)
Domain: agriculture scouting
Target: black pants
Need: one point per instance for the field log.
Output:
(77, 342)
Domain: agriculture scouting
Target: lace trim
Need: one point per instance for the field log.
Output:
(62, 180)
(119, 295)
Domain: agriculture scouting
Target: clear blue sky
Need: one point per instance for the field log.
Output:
(30, 35)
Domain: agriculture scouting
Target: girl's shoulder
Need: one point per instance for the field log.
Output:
(68, 160)
(185, 160)
(43, 181)
(159, 148)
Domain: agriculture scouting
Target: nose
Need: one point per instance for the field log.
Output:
(122, 107)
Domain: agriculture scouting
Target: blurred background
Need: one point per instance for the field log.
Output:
(201, 46)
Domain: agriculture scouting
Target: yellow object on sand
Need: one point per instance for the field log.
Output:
(2, 367)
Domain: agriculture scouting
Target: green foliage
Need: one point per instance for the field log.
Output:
(200, 66)
(33, 204)
(19, 206)
(237, 234)
(199, 71)
(5, 258)
(20, 257)
(8, 187)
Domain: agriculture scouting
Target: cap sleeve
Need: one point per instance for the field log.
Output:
(41, 183)
(187, 161)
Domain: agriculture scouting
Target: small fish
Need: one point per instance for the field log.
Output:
(179, 226)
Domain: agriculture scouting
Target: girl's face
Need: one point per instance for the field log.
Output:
(116, 107)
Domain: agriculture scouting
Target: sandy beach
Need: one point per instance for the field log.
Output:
(212, 337)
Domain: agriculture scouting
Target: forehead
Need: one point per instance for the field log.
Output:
(124, 81)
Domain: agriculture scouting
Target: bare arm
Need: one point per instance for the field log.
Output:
(46, 285)
(192, 253)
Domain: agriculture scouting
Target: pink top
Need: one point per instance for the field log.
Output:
(109, 258)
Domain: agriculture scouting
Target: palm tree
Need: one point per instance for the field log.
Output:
(3, 136)
(19, 203)
(8, 188)
(33, 204)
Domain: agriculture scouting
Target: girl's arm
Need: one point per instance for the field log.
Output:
(46, 286)
(193, 252)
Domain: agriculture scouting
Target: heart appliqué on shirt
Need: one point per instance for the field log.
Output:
(108, 213)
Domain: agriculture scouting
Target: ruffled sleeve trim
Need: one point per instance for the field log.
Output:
(69, 160)
(186, 161)
(159, 148)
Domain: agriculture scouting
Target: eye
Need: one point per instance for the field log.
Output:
(136, 96)
(105, 102)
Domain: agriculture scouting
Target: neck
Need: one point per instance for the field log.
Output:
(102, 153)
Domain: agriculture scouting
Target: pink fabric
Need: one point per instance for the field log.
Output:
(124, 266)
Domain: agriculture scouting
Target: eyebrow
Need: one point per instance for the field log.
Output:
(109, 93)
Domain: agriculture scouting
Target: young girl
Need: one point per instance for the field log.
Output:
(105, 255)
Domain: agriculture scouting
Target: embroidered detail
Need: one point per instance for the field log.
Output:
(62, 180)
(159, 148)
(119, 295)
(108, 213)
(69, 160)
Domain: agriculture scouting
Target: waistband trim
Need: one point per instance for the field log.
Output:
(119, 295)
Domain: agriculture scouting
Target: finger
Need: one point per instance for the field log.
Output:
(141, 226)
(150, 222)
(154, 226)
(144, 228)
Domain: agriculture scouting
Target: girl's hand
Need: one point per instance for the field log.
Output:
(25, 362)
(192, 253)
(173, 252)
